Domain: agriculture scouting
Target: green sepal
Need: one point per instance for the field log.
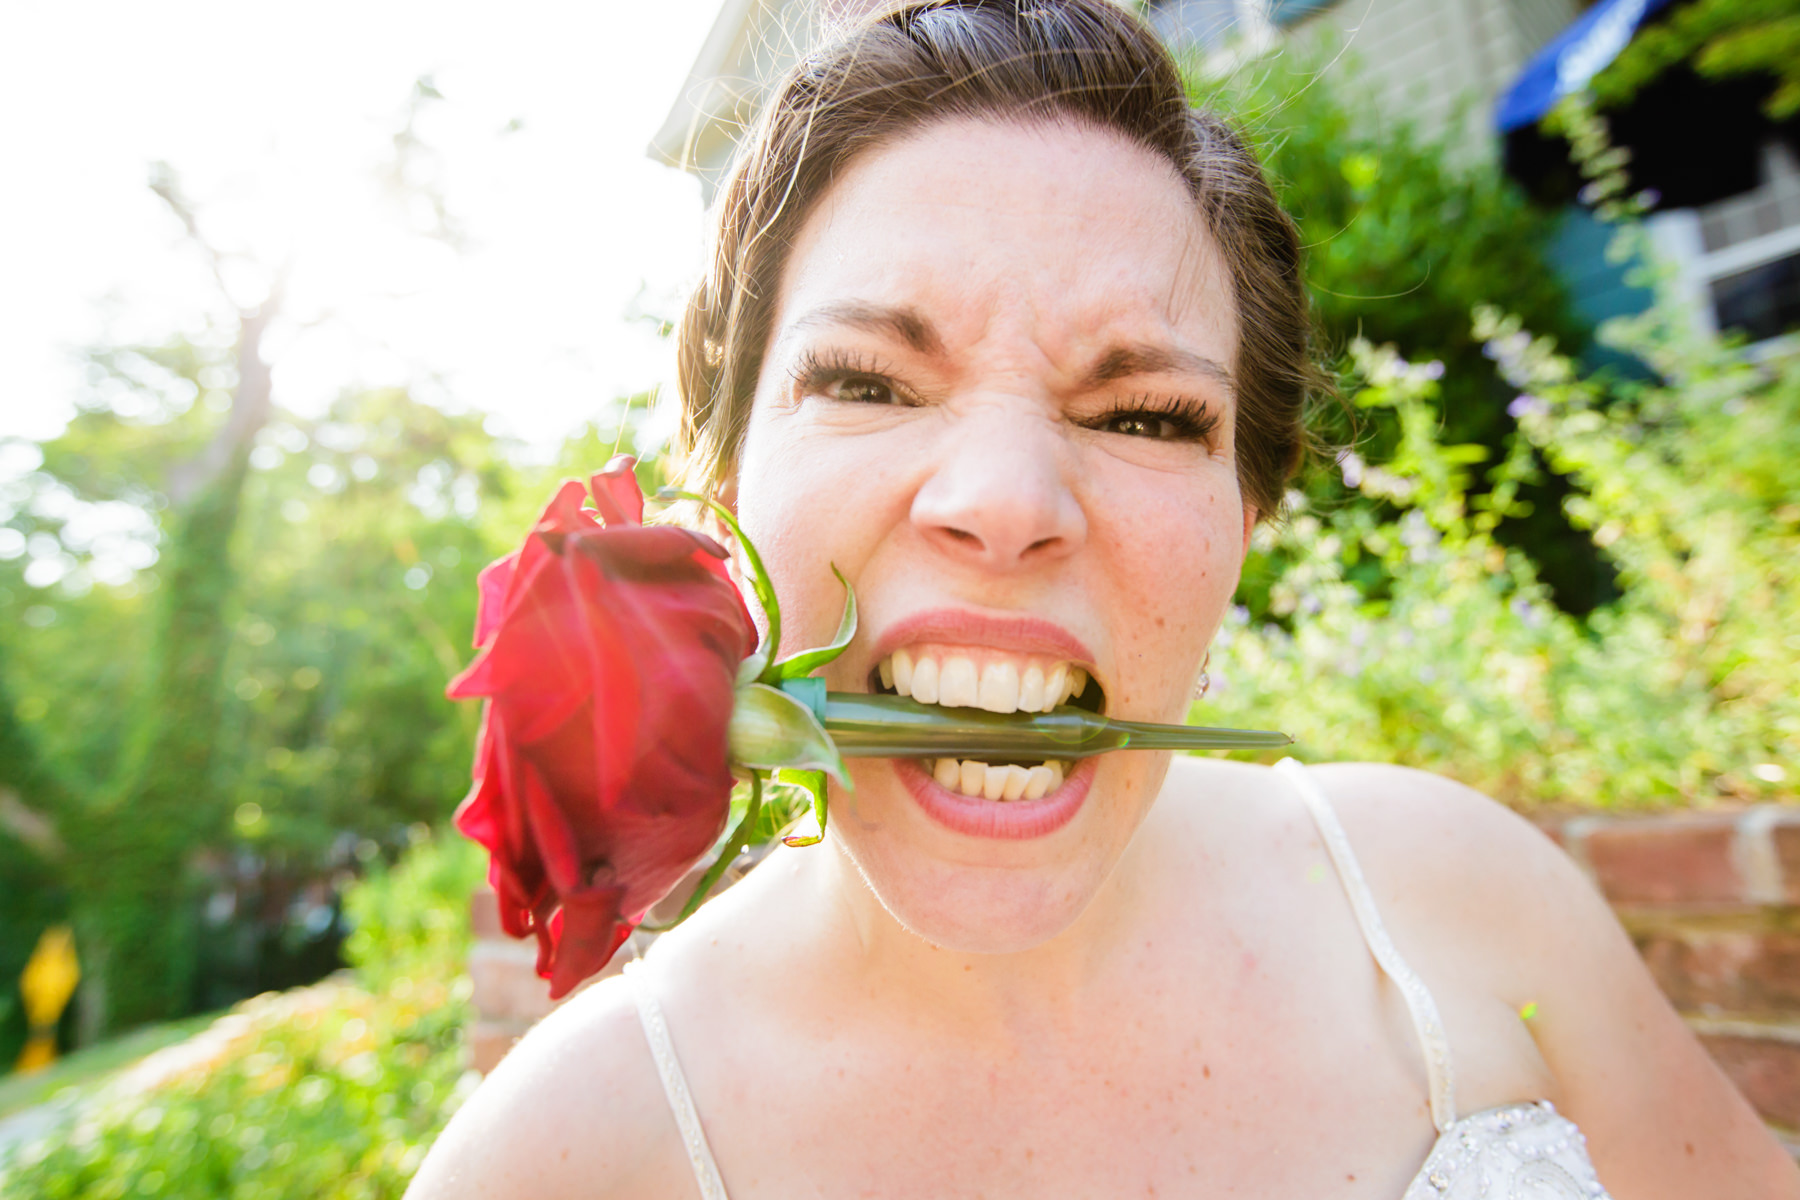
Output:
(759, 575)
(751, 668)
(808, 661)
(771, 729)
(814, 783)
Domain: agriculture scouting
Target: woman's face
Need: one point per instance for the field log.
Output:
(998, 397)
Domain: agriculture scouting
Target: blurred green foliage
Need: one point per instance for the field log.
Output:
(1403, 630)
(326, 1092)
(1405, 233)
(1721, 39)
(333, 608)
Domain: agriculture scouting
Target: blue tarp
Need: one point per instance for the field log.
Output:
(1572, 58)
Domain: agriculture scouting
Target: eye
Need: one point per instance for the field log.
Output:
(848, 378)
(866, 389)
(1179, 419)
(1139, 425)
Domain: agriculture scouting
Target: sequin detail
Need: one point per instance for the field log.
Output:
(1523, 1151)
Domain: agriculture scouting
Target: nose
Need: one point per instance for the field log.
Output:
(998, 495)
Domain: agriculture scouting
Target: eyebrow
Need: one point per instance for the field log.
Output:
(907, 324)
(1142, 358)
(1121, 361)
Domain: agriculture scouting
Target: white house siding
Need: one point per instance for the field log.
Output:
(752, 42)
(1428, 56)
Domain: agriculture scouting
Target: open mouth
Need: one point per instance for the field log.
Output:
(997, 681)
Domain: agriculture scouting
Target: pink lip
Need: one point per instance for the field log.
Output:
(1007, 820)
(962, 627)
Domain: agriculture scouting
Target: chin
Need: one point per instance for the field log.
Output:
(985, 894)
(982, 910)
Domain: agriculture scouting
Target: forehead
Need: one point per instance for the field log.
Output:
(1075, 233)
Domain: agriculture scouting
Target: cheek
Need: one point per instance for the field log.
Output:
(788, 475)
(1172, 552)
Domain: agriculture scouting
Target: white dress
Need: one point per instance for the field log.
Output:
(1521, 1151)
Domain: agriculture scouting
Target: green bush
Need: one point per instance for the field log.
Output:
(1408, 633)
(413, 918)
(331, 1091)
(1405, 233)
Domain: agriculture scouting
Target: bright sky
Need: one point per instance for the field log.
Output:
(279, 122)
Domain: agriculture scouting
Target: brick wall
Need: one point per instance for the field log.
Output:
(1713, 902)
(1711, 899)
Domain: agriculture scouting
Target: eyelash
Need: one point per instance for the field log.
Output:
(1190, 419)
(817, 371)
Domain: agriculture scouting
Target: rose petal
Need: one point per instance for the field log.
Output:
(616, 493)
(609, 661)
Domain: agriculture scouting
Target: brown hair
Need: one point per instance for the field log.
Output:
(929, 60)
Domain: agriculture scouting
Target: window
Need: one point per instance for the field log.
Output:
(1763, 302)
(1739, 258)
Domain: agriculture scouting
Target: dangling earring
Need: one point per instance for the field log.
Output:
(1205, 680)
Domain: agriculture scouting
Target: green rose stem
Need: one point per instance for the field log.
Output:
(879, 726)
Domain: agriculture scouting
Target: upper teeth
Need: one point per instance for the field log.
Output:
(1000, 683)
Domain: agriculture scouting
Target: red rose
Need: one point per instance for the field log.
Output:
(609, 655)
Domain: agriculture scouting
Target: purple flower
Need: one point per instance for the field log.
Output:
(1525, 403)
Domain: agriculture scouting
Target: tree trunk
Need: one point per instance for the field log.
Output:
(135, 905)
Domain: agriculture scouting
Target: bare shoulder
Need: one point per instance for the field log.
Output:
(1476, 891)
(575, 1109)
(1476, 858)
(1489, 903)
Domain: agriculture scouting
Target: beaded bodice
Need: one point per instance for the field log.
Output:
(1516, 1152)
(1524, 1151)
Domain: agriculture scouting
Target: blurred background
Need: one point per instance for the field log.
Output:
(304, 312)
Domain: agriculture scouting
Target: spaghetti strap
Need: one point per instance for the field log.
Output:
(681, 1102)
(1426, 1022)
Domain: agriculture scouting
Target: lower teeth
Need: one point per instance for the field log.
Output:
(1011, 782)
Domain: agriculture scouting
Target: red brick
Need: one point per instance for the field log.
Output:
(1747, 970)
(506, 984)
(484, 913)
(1786, 834)
(1765, 1070)
(1682, 861)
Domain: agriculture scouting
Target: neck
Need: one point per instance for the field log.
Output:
(1031, 991)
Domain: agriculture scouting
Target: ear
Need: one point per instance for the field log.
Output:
(727, 494)
(1249, 528)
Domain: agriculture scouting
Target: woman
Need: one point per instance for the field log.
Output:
(1016, 341)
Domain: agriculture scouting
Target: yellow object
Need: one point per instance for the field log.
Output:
(47, 982)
